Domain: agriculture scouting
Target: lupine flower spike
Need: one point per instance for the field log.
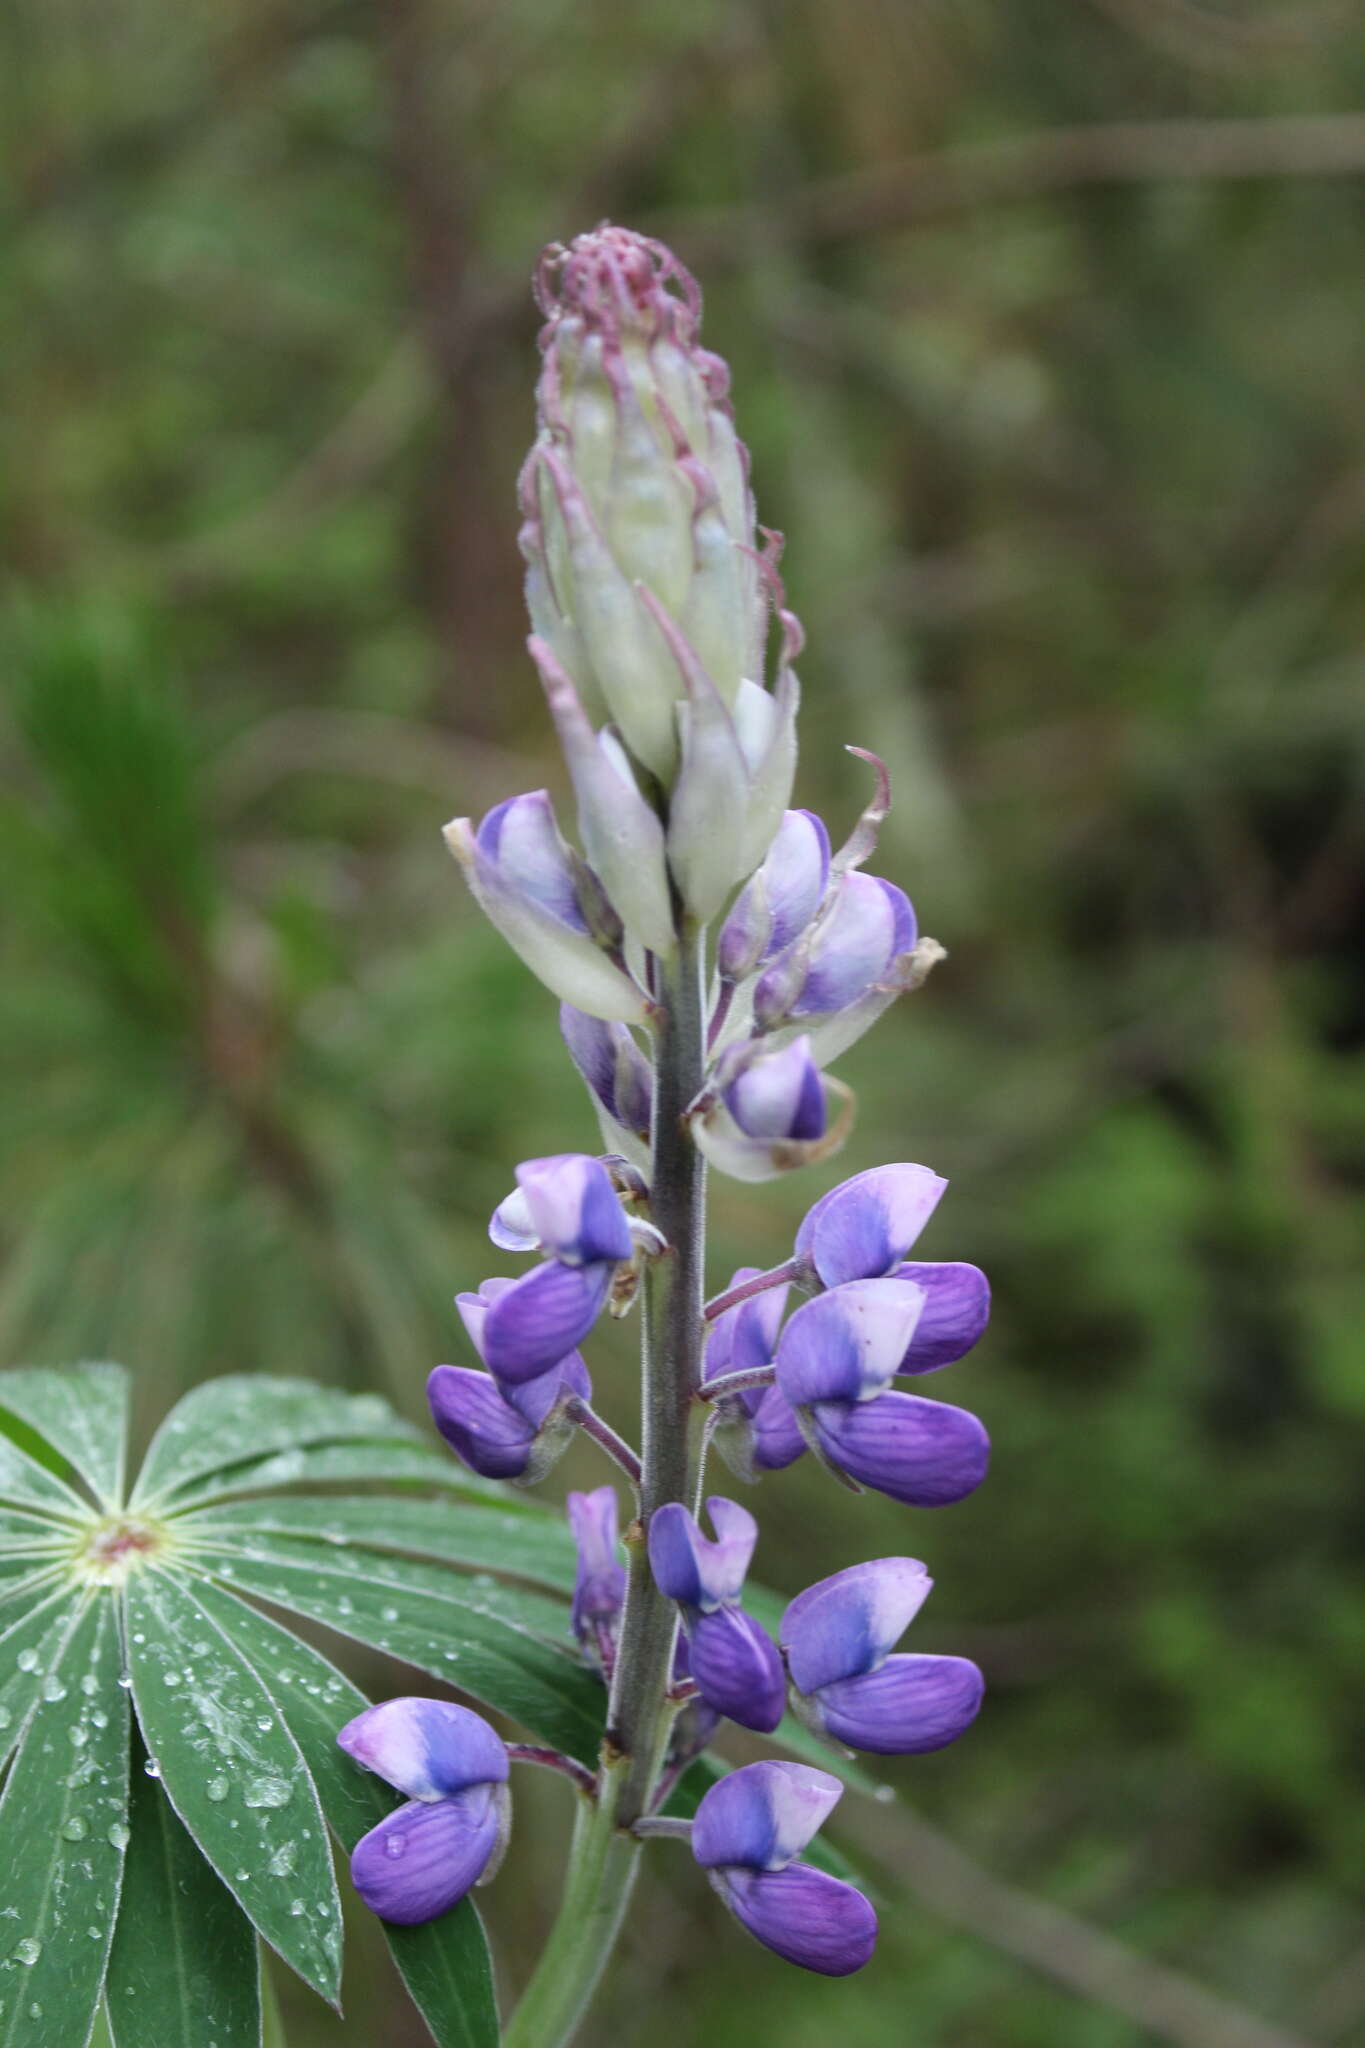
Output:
(712, 956)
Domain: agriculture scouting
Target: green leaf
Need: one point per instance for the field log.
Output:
(234, 1774)
(26, 1483)
(183, 1968)
(82, 1412)
(473, 1636)
(445, 1964)
(403, 1464)
(30, 1535)
(242, 1416)
(63, 1820)
(30, 1649)
(536, 1547)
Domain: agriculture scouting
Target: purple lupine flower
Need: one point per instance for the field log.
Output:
(547, 904)
(734, 1661)
(779, 902)
(862, 1230)
(749, 1830)
(837, 1638)
(698, 1720)
(566, 1206)
(835, 1361)
(618, 1075)
(422, 1859)
(768, 1110)
(504, 1429)
(846, 967)
(756, 1430)
(600, 1584)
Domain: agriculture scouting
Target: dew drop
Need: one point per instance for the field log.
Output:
(35, 2011)
(395, 1844)
(53, 1688)
(170, 1678)
(27, 1951)
(264, 1723)
(125, 1679)
(282, 1860)
(297, 1908)
(118, 1836)
(27, 1660)
(268, 1792)
(388, 1614)
(152, 1767)
(345, 1605)
(90, 1685)
(217, 1789)
(75, 1829)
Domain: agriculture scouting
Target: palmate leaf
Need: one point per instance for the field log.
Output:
(234, 1774)
(536, 1547)
(476, 1637)
(63, 1820)
(379, 1461)
(240, 1417)
(184, 1967)
(82, 1412)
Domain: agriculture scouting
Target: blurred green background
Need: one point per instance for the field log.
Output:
(1045, 320)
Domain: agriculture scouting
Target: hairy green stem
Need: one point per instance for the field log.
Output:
(597, 1888)
(639, 1716)
(603, 1855)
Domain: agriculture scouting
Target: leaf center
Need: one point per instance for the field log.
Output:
(117, 1546)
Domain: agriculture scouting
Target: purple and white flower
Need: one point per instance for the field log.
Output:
(756, 1430)
(779, 901)
(548, 905)
(504, 1429)
(837, 1638)
(566, 1206)
(846, 967)
(862, 1230)
(836, 1359)
(617, 1073)
(734, 1662)
(749, 1831)
(767, 1111)
(422, 1859)
(600, 1584)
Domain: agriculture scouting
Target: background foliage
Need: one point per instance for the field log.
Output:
(1044, 320)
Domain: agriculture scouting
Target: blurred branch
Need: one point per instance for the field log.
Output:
(927, 189)
(1081, 1958)
(1224, 43)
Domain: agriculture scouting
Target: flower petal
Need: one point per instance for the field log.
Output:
(745, 1336)
(763, 1815)
(542, 1317)
(511, 1226)
(688, 1566)
(481, 1428)
(427, 1749)
(905, 1707)
(860, 1229)
(421, 1860)
(777, 1438)
(957, 1307)
(600, 1585)
(803, 1915)
(737, 1668)
(926, 1453)
(616, 1071)
(848, 1623)
(846, 1344)
(574, 1208)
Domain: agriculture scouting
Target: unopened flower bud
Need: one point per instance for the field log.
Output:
(637, 482)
